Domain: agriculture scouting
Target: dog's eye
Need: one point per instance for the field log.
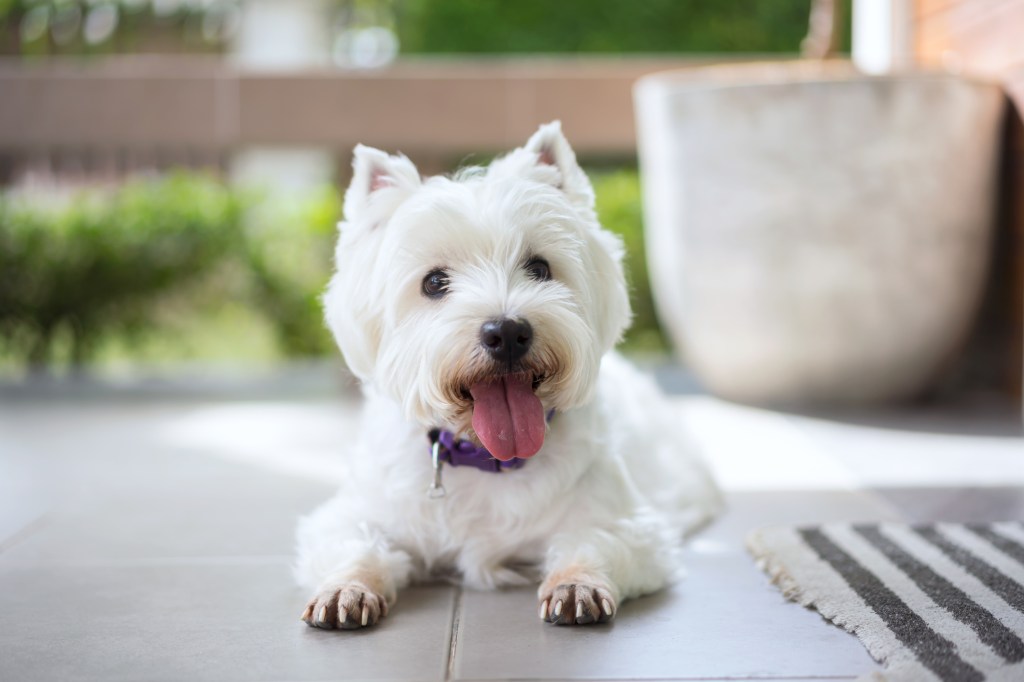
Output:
(435, 284)
(539, 269)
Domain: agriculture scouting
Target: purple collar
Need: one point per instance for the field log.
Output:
(461, 453)
(458, 452)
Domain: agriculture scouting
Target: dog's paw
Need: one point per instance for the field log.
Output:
(349, 608)
(577, 604)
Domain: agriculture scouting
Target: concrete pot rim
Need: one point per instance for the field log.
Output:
(769, 74)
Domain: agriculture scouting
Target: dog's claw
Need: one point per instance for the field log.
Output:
(578, 604)
(347, 608)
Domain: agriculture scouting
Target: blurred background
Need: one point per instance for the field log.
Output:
(171, 170)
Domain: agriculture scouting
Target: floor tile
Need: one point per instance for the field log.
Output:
(225, 517)
(114, 486)
(23, 499)
(116, 443)
(723, 620)
(202, 622)
(169, 504)
(748, 510)
(916, 451)
(830, 678)
(966, 505)
(758, 449)
(161, 534)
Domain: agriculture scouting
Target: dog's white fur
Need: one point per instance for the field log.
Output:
(601, 510)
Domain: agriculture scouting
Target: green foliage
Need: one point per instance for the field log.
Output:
(93, 264)
(498, 26)
(431, 26)
(288, 257)
(184, 266)
(619, 209)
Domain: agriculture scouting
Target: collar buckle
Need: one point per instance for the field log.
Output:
(436, 490)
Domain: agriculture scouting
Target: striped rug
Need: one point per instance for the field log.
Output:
(933, 602)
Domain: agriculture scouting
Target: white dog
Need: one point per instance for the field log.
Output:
(480, 310)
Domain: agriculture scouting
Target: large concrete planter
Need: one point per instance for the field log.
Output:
(816, 235)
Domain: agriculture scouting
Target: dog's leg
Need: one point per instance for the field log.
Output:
(589, 572)
(353, 569)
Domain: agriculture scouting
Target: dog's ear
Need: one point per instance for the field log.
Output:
(380, 183)
(613, 312)
(551, 149)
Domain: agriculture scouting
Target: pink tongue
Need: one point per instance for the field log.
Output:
(507, 417)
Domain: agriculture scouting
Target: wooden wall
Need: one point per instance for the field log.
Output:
(423, 107)
(986, 38)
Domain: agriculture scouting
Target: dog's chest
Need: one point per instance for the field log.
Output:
(481, 513)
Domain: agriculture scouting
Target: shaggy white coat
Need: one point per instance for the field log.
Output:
(600, 512)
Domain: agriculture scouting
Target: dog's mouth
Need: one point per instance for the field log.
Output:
(508, 417)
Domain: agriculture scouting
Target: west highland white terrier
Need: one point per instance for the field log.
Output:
(502, 443)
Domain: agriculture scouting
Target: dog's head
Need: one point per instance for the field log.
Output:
(482, 301)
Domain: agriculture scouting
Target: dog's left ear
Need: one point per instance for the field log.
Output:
(380, 182)
(552, 150)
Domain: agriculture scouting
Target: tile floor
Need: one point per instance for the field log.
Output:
(150, 539)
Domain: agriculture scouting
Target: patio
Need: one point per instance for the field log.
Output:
(146, 534)
(147, 519)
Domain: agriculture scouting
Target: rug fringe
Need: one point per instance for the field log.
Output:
(774, 568)
(769, 561)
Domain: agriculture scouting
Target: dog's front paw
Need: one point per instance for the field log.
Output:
(577, 604)
(349, 607)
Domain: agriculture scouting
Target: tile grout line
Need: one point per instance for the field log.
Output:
(453, 639)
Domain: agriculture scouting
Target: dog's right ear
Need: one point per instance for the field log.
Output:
(380, 183)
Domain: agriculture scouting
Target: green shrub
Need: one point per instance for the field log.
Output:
(185, 267)
(288, 252)
(92, 264)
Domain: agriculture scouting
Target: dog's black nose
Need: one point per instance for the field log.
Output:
(506, 340)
